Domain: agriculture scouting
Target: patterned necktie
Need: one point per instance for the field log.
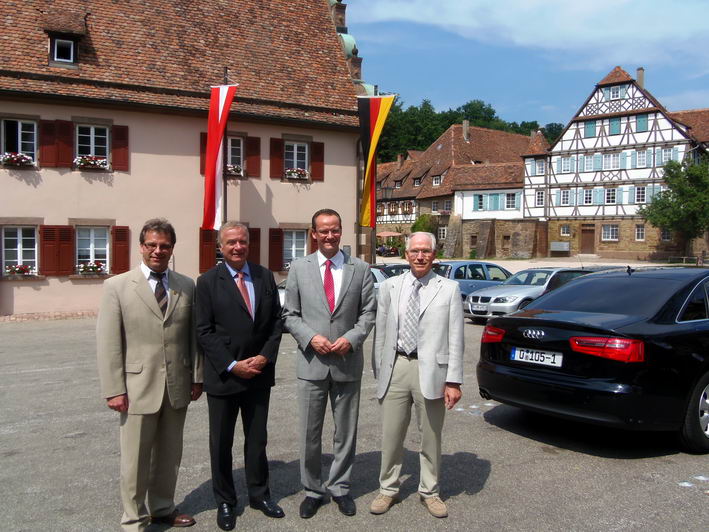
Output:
(160, 292)
(241, 284)
(409, 329)
(329, 285)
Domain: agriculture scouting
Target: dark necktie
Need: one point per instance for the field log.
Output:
(329, 285)
(160, 292)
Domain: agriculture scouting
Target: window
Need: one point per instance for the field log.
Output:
(539, 198)
(479, 202)
(640, 232)
(615, 92)
(589, 129)
(447, 205)
(640, 195)
(436, 180)
(666, 155)
(588, 163)
(565, 230)
(696, 308)
(434, 206)
(540, 166)
(641, 123)
(235, 151)
(611, 161)
(92, 245)
(417, 182)
(442, 232)
(510, 200)
(294, 245)
(566, 164)
(588, 196)
(380, 209)
(397, 184)
(564, 197)
(19, 136)
(615, 126)
(19, 246)
(496, 273)
(665, 235)
(92, 141)
(393, 208)
(62, 50)
(296, 155)
(610, 195)
(641, 158)
(610, 232)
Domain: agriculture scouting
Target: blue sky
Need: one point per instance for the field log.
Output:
(531, 59)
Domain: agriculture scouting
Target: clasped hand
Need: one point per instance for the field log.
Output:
(323, 346)
(249, 367)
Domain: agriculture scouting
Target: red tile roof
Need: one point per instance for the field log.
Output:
(168, 54)
(697, 120)
(538, 144)
(617, 75)
(477, 176)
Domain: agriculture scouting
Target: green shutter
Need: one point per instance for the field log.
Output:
(633, 159)
(486, 202)
(631, 195)
(606, 93)
(582, 163)
(623, 90)
(641, 123)
(623, 160)
(615, 126)
(557, 201)
(648, 158)
(675, 153)
(598, 196)
(558, 165)
(475, 201)
(589, 129)
(518, 199)
(573, 164)
(597, 162)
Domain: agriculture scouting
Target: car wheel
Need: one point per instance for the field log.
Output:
(524, 304)
(695, 430)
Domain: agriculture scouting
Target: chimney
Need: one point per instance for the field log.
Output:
(399, 160)
(466, 130)
(640, 77)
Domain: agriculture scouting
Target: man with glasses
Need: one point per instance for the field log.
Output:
(329, 310)
(149, 370)
(418, 361)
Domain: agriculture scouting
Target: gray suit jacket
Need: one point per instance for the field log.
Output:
(440, 335)
(140, 351)
(307, 313)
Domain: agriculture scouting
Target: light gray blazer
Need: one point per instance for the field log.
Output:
(307, 313)
(440, 335)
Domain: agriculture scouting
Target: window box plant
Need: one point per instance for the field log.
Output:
(296, 174)
(90, 162)
(91, 268)
(19, 270)
(234, 170)
(12, 158)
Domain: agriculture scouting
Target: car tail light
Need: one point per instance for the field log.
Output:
(621, 349)
(492, 335)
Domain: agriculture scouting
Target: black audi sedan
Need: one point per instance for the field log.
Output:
(628, 349)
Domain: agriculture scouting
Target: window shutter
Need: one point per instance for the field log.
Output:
(518, 199)
(675, 153)
(631, 195)
(658, 156)
(253, 158)
(276, 162)
(623, 160)
(623, 90)
(633, 159)
(557, 201)
(486, 202)
(641, 124)
(207, 249)
(120, 156)
(475, 202)
(254, 245)
(582, 163)
(530, 167)
(573, 164)
(56, 249)
(65, 143)
(47, 143)
(558, 165)
(606, 93)
(275, 243)
(615, 126)
(202, 151)
(597, 162)
(120, 248)
(598, 196)
(317, 161)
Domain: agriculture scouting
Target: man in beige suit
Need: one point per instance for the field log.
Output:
(417, 360)
(150, 371)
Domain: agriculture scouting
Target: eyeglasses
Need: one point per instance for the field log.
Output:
(152, 246)
(416, 252)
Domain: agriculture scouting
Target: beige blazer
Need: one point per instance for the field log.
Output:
(139, 351)
(440, 335)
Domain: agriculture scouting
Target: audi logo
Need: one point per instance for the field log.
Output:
(533, 334)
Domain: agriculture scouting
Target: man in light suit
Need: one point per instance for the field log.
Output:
(239, 327)
(149, 370)
(417, 359)
(329, 310)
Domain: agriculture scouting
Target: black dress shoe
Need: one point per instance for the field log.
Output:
(226, 517)
(268, 507)
(346, 504)
(309, 507)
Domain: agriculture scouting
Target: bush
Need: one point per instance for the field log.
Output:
(473, 254)
(426, 223)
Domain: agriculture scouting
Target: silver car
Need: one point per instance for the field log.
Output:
(517, 291)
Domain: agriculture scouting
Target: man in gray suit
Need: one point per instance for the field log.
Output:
(417, 360)
(329, 310)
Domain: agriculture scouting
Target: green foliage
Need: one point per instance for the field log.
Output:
(552, 131)
(473, 254)
(684, 206)
(426, 223)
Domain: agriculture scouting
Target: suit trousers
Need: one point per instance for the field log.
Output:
(151, 451)
(223, 411)
(405, 390)
(344, 402)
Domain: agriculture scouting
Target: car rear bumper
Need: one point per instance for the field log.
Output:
(600, 401)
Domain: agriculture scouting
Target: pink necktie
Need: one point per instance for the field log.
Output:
(241, 284)
(329, 285)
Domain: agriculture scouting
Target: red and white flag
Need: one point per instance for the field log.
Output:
(219, 105)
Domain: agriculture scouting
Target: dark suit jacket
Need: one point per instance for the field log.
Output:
(226, 332)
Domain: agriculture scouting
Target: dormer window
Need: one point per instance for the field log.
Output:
(417, 182)
(63, 50)
(397, 184)
(615, 92)
(436, 180)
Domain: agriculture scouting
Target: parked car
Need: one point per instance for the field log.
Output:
(471, 275)
(396, 269)
(518, 291)
(627, 349)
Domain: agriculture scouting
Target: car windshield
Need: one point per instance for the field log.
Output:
(441, 269)
(529, 278)
(635, 296)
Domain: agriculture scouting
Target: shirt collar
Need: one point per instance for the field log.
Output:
(337, 261)
(424, 280)
(147, 271)
(233, 272)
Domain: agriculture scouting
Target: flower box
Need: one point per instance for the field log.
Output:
(91, 268)
(297, 174)
(234, 170)
(20, 270)
(89, 162)
(12, 158)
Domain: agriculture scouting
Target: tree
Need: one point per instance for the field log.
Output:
(426, 223)
(684, 206)
(552, 131)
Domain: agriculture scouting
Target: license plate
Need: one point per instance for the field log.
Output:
(478, 307)
(533, 356)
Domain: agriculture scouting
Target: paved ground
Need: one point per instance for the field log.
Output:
(503, 469)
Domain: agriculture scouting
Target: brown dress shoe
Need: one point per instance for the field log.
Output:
(175, 519)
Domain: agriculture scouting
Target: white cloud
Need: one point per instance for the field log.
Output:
(596, 34)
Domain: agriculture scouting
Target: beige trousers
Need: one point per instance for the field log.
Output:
(151, 451)
(405, 390)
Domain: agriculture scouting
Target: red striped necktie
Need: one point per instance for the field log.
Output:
(329, 285)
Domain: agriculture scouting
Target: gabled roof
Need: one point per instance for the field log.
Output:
(476, 177)
(697, 120)
(617, 75)
(538, 144)
(285, 55)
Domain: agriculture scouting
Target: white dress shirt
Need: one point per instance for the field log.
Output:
(153, 282)
(338, 262)
(407, 286)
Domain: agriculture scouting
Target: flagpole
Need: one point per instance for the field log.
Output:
(224, 157)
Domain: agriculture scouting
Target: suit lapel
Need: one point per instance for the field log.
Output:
(430, 293)
(142, 290)
(175, 293)
(316, 279)
(228, 284)
(257, 281)
(395, 294)
(347, 274)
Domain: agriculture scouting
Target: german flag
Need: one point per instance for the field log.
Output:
(373, 111)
